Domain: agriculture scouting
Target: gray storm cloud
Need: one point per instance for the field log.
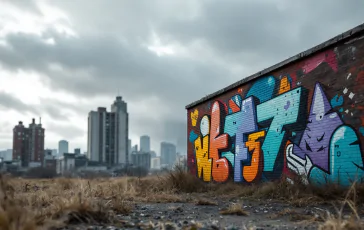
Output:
(109, 53)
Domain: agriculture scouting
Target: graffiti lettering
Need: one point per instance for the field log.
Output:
(202, 158)
(248, 125)
(279, 126)
(253, 171)
(281, 111)
(218, 142)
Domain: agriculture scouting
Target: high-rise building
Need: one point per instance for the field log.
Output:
(141, 159)
(145, 144)
(108, 134)
(129, 146)
(6, 155)
(28, 143)
(153, 154)
(134, 148)
(62, 147)
(168, 154)
(55, 152)
(155, 163)
(77, 151)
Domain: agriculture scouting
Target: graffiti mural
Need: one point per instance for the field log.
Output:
(305, 119)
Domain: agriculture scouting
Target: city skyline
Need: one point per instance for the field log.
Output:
(63, 145)
(55, 64)
(71, 146)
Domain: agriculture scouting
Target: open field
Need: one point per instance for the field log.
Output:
(176, 200)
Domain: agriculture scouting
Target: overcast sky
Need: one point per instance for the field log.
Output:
(61, 59)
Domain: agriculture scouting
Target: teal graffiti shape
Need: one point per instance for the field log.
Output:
(346, 162)
(281, 111)
(193, 136)
(361, 130)
(263, 89)
(337, 101)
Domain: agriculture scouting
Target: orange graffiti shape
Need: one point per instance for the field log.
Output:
(253, 172)
(284, 86)
(234, 107)
(202, 158)
(220, 166)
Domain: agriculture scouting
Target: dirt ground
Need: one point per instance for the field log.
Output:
(260, 214)
(177, 200)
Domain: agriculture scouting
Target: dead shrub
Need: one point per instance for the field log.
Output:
(205, 202)
(13, 216)
(336, 222)
(183, 181)
(120, 206)
(65, 183)
(235, 209)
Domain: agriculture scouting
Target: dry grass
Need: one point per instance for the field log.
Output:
(34, 203)
(338, 221)
(235, 209)
(297, 194)
(338, 224)
(202, 201)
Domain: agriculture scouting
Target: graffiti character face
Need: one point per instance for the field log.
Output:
(321, 124)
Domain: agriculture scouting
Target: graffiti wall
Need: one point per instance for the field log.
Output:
(306, 118)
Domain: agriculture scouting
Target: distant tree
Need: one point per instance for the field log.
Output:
(132, 171)
(40, 172)
(181, 165)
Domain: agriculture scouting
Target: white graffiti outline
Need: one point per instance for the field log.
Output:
(300, 166)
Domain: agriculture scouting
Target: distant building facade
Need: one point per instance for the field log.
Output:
(141, 159)
(153, 154)
(155, 163)
(6, 155)
(134, 148)
(54, 152)
(48, 157)
(28, 143)
(145, 144)
(129, 146)
(62, 147)
(77, 151)
(69, 161)
(168, 154)
(108, 134)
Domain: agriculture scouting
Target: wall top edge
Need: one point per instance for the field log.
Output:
(331, 42)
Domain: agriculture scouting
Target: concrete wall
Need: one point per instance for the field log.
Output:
(304, 116)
